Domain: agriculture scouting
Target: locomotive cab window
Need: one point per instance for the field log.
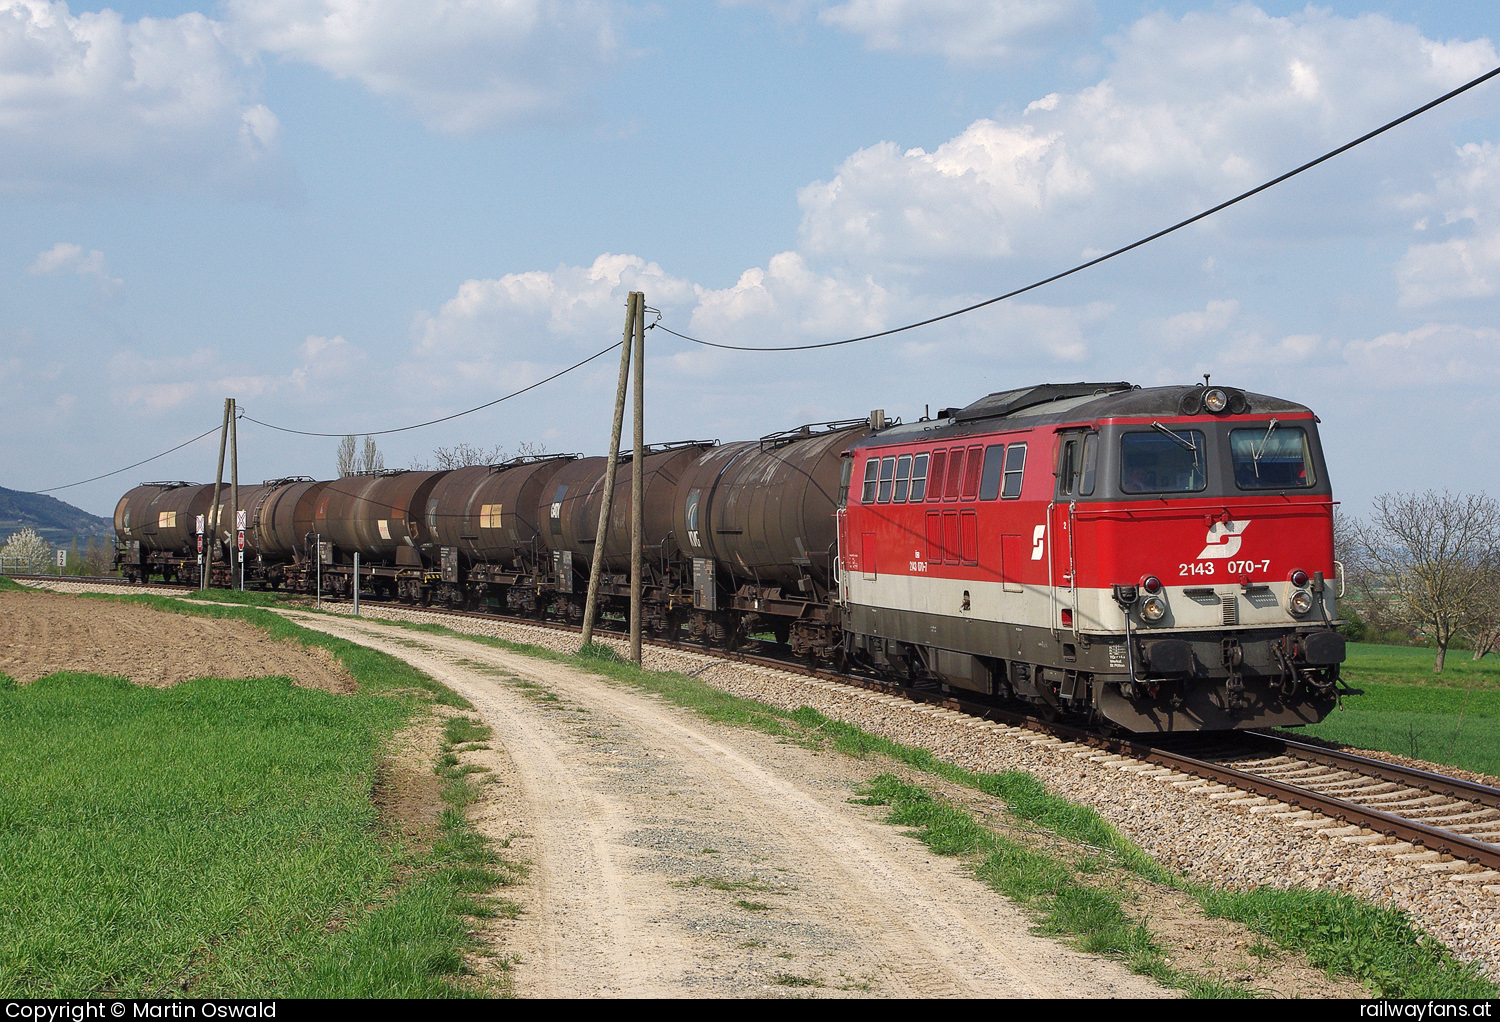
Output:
(994, 464)
(1164, 461)
(1077, 460)
(918, 478)
(887, 477)
(1015, 471)
(872, 477)
(1274, 458)
(903, 478)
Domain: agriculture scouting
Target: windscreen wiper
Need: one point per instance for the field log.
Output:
(1182, 441)
(1256, 455)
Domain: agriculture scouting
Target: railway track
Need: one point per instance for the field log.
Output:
(1432, 821)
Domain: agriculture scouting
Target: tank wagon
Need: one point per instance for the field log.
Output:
(1158, 559)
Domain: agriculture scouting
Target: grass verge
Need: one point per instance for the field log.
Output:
(218, 838)
(1342, 934)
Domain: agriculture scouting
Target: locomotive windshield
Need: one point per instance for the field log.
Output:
(1274, 458)
(1170, 461)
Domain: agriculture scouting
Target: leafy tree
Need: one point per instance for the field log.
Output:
(1431, 562)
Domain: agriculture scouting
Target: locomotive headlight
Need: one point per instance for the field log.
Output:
(1216, 400)
(1300, 602)
(1153, 609)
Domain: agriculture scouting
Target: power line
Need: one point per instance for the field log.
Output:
(1109, 255)
(127, 468)
(446, 418)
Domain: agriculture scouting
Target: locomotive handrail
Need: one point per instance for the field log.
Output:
(1196, 509)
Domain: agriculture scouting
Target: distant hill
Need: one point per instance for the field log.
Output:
(56, 522)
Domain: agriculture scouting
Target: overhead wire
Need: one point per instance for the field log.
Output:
(127, 468)
(1108, 255)
(446, 418)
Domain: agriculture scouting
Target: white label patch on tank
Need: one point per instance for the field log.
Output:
(385, 528)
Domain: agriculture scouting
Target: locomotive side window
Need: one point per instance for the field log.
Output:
(971, 472)
(994, 461)
(1090, 464)
(903, 478)
(1170, 461)
(1015, 470)
(872, 475)
(1067, 466)
(935, 481)
(887, 476)
(955, 474)
(918, 478)
(1274, 458)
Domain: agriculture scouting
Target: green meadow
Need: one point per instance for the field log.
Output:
(1451, 718)
(218, 839)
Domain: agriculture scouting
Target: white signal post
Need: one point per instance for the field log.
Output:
(239, 528)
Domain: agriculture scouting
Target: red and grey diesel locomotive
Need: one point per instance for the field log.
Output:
(1160, 559)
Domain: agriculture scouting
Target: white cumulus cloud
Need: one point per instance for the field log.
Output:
(91, 102)
(461, 65)
(65, 256)
(1192, 110)
(1467, 199)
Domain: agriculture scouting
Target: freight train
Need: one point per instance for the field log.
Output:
(1156, 559)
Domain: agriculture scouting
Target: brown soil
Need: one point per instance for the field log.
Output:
(41, 634)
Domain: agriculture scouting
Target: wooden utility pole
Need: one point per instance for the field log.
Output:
(638, 479)
(234, 496)
(597, 566)
(213, 510)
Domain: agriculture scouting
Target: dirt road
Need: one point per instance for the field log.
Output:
(675, 857)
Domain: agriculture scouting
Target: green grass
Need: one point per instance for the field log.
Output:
(1349, 937)
(1439, 724)
(218, 838)
(1412, 665)
(1091, 917)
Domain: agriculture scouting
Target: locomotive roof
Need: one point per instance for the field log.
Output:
(1048, 403)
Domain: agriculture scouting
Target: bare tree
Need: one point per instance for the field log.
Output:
(1430, 562)
(465, 454)
(347, 456)
(371, 460)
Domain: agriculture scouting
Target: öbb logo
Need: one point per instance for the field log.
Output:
(1224, 539)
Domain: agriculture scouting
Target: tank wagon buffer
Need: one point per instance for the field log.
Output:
(1161, 559)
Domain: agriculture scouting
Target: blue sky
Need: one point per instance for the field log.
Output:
(357, 214)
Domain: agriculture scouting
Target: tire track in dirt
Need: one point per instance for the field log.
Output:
(674, 857)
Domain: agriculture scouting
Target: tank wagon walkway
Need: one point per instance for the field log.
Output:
(674, 857)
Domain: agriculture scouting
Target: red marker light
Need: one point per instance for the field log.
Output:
(1299, 578)
(1151, 584)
